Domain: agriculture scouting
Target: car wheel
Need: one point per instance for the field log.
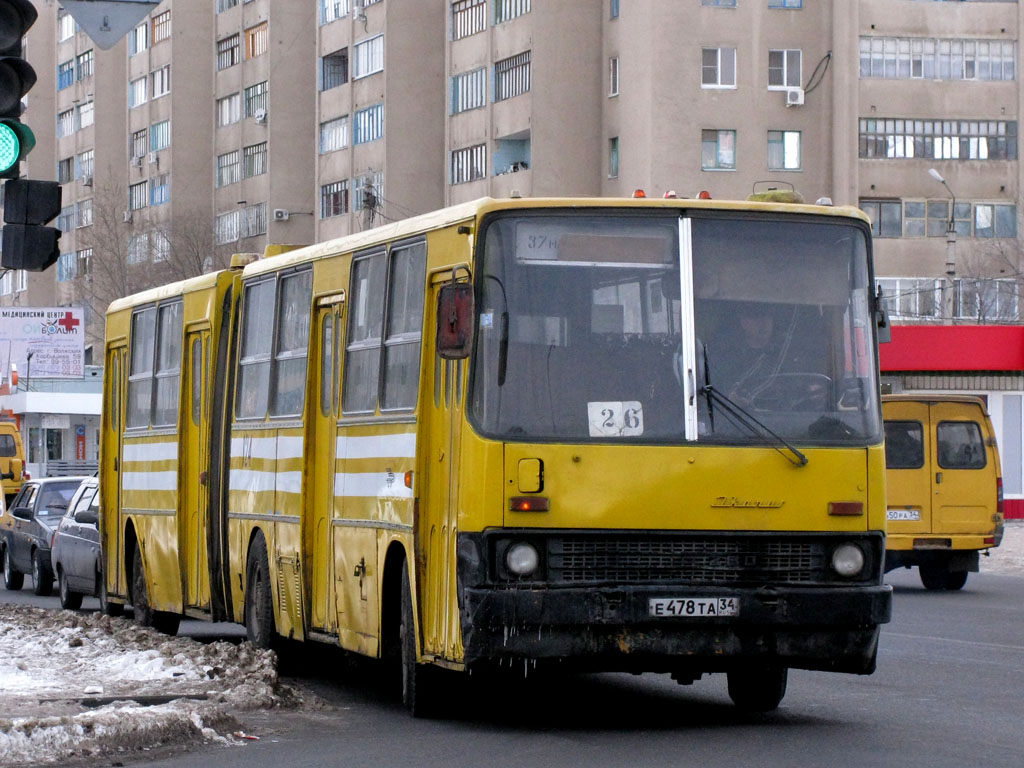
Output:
(758, 689)
(145, 616)
(69, 600)
(107, 608)
(259, 602)
(42, 580)
(12, 579)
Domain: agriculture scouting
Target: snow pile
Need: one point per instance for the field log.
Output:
(1008, 557)
(82, 684)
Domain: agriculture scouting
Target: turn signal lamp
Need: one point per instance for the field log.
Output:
(529, 504)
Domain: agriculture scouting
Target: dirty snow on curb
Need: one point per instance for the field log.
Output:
(84, 685)
(1008, 557)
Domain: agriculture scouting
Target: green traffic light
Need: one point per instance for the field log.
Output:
(10, 148)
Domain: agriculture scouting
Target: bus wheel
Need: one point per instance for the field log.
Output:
(418, 694)
(12, 579)
(107, 608)
(758, 689)
(259, 603)
(145, 616)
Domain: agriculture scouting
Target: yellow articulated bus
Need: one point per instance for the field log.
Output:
(594, 434)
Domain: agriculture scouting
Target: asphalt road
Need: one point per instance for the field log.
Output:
(949, 691)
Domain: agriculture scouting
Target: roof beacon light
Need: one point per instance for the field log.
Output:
(639, 193)
(671, 194)
(704, 195)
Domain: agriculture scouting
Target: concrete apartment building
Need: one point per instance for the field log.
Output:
(294, 121)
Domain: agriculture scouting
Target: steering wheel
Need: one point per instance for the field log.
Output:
(794, 392)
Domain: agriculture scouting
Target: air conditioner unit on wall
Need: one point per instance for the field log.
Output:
(127, 216)
(794, 97)
(154, 158)
(87, 181)
(260, 115)
(280, 214)
(137, 162)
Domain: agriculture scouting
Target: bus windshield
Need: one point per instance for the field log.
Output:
(609, 326)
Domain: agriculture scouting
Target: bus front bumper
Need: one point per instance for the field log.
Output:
(611, 628)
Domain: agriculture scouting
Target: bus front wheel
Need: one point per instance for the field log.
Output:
(758, 689)
(259, 603)
(145, 616)
(418, 692)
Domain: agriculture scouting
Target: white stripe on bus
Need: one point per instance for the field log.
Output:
(253, 481)
(377, 446)
(267, 447)
(371, 485)
(150, 451)
(149, 481)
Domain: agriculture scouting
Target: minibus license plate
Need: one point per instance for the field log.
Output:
(903, 514)
(694, 607)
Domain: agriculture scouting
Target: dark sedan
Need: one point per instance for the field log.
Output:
(27, 528)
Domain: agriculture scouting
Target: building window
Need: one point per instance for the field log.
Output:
(911, 297)
(83, 213)
(613, 76)
(717, 150)
(468, 18)
(138, 195)
(85, 262)
(718, 68)
(987, 299)
(137, 92)
(256, 99)
(254, 220)
(227, 227)
(138, 39)
(84, 164)
(138, 248)
(65, 25)
(332, 10)
(368, 57)
(886, 217)
(720, 3)
(160, 189)
(229, 169)
(140, 141)
(65, 74)
(784, 150)
(784, 69)
(938, 58)
(369, 124)
(84, 114)
(334, 199)
(469, 164)
(505, 10)
(229, 110)
(65, 170)
(469, 90)
(160, 136)
(223, 5)
(84, 65)
(897, 138)
(65, 123)
(792, 4)
(613, 157)
(161, 81)
(66, 218)
(333, 134)
(368, 191)
(161, 26)
(334, 69)
(613, 9)
(512, 76)
(160, 245)
(256, 41)
(227, 52)
(254, 160)
(66, 267)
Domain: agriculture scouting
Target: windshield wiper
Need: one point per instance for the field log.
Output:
(756, 427)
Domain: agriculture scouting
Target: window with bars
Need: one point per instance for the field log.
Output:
(137, 92)
(66, 218)
(468, 18)
(160, 189)
(718, 68)
(505, 10)
(469, 90)
(138, 195)
(254, 220)
(469, 164)
(332, 10)
(369, 124)
(84, 114)
(229, 110)
(333, 134)
(256, 99)
(254, 160)
(256, 41)
(161, 81)
(138, 248)
(160, 135)
(65, 74)
(784, 69)
(229, 168)
(65, 123)
(84, 163)
(160, 245)
(65, 170)
(138, 39)
(223, 5)
(227, 227)
(228, 52)
(334, 69)
(898, 138)
(512, 76)
(140, 142)
(67, 267)
(84, 63)
(161, 26)
(784, 150)
(717, 150)
(367, 185)
(368, 57)
(334, 199)
(65, 25)
(83, 213)
(85, 262)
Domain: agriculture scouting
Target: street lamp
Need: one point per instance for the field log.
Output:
(947, 303)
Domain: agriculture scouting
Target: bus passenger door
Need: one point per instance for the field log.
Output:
(317, 535)
(195, 469)
(111, 456)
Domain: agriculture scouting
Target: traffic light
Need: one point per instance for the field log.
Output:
(16, 78)
(28, 205)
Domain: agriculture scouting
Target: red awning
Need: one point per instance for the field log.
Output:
(954, 348)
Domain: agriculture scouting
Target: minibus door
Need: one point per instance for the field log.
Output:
(910, 482)
(965, 486)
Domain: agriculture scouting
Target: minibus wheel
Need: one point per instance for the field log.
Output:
(938, 577)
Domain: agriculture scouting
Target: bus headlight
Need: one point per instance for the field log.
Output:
(522, 559)
(847, 560)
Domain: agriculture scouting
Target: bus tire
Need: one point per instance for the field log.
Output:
(758, 689)
(69, 601)
(42, 579)
(259, 602)
(145, 616)
(13, 580)
(107, 608)
(419, 695)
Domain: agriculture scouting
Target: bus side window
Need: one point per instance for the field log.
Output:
(904, 445)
